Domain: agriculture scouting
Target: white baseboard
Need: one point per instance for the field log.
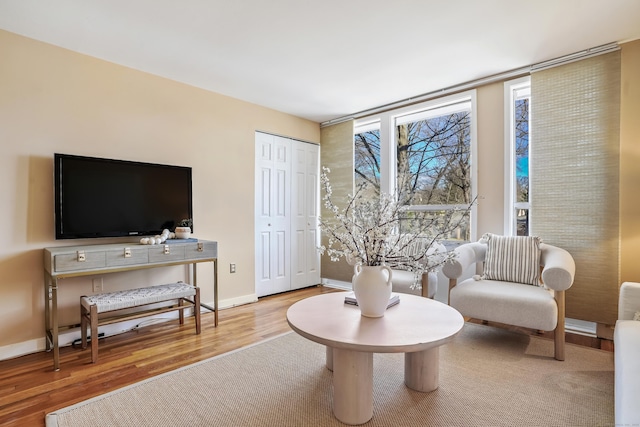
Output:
(67, 337)
(339, 284)
(581, 327)
(233, 302)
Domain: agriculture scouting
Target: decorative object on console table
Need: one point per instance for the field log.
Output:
(183, 229)
(158, 239)
(173, 241)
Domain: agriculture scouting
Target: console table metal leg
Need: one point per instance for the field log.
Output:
(352, 386)
(215, 291)
(47, 312)
(421, 369)
(54, 325)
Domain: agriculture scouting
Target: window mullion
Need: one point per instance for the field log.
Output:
(388, 156)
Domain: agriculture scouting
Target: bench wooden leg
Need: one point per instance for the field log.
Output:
(93, 321)
(83, 325)
(181, 311)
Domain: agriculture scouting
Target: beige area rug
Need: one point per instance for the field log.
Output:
(488, 377)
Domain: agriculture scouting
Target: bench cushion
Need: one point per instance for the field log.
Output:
(134, 297)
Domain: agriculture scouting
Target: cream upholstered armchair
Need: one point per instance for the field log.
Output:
(519, 281)
(404, 282)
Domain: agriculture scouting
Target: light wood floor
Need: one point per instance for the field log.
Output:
(29, 388)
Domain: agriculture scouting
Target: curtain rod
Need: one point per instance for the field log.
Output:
(594, 51)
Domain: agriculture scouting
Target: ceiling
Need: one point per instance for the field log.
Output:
(324, 59)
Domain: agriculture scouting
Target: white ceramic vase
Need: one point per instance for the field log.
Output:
(372, 289)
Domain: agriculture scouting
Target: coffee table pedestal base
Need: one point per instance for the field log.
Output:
(352, 386)
(421, 369)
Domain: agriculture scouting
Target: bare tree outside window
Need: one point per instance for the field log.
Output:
(434, 165)
(367, 158)
(367, 162)
(521, 113)
(434, 156)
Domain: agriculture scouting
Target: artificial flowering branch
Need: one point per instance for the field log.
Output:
(382, 230)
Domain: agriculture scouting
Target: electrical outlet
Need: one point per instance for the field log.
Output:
(98, 286)
(232, 268)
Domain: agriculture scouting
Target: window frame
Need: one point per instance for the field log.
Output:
(514, 90)
(388, 151)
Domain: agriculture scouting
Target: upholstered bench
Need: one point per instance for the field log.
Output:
(109, 303)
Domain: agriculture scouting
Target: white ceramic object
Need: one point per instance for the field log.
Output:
(372, 288)
(183, 232)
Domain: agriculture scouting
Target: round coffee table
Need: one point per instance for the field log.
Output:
(416, 326)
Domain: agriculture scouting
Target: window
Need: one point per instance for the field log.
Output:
(518, 104)
(423, 150)
(367, 154)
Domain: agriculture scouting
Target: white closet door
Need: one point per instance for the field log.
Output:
(273, 214)
(305, 259)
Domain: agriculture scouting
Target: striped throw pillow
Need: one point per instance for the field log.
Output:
(512, 259)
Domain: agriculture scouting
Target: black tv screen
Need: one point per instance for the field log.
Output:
(97, 197)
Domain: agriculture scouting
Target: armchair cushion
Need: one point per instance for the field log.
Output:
(506, 302)
(512, 259)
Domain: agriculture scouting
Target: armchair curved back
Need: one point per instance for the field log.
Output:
(558, 266)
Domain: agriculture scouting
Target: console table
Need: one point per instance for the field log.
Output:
(87, 260)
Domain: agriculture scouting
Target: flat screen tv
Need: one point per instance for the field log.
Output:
(97, 197)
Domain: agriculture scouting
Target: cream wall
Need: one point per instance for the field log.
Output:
(491, 159)
(53, 100)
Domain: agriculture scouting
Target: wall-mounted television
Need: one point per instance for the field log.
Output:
(96, 197)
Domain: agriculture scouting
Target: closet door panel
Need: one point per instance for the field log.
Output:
(272, 215)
